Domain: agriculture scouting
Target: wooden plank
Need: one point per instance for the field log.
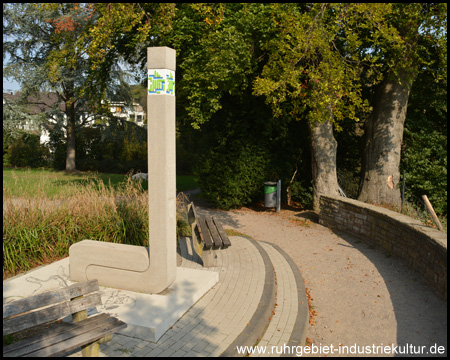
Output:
(223, 234)
(110, 326)
(49, 298)
(204, 232)
(432, 213)
(44, 333)
(54, 312)
(61, 339)
(214, 234)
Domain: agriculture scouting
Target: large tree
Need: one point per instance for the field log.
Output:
(408, 38)
(311, 61)
(71, 49)
(311, 66)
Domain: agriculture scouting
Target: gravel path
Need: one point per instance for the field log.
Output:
(358, 295)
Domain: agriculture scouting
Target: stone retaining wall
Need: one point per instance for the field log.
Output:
(423, 248)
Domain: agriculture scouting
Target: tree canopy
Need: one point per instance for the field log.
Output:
(246, 73)
(73, 51)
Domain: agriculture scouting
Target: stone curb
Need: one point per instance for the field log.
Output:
(258, 323)
(298, 336)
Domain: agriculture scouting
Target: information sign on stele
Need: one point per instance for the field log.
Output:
(161, 82)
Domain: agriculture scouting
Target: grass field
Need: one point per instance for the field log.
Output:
(39, 182)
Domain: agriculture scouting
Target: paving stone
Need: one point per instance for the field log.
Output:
(221, 315)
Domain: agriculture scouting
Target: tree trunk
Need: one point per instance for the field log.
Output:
(288, 188)
(70, 156)
(383, 138)
(323, 159)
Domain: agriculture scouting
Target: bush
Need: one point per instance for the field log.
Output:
(25, 151)
(425, 163)
(302, 194)
(231, 177)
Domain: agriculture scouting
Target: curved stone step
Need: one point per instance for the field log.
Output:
(292, 315)
(285, 327)
(261, 296)
(262, 315)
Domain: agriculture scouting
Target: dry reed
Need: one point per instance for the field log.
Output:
(40, 229)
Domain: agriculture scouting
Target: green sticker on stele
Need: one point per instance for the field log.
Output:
(161, 82)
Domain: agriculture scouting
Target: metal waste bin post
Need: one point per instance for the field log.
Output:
(270, 194)
(279, 195)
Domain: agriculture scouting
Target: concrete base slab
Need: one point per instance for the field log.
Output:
(148, 316)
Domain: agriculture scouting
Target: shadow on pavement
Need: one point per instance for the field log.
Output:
(420, 314)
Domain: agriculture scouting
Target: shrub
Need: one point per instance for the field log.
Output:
(302, 194)
(233, 177)
(25, 150)
(425, 163)
(105, 148)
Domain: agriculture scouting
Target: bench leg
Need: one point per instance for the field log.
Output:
(197, 244)
(90, 350)
(209, 257)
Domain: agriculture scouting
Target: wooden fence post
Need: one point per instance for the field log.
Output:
(432, 213)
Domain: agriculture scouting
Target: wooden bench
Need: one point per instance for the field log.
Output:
(36, 328)
(208, 236)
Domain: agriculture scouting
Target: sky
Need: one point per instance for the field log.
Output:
(10, 85)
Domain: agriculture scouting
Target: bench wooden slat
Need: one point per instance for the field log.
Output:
(41, 332)
(56, 329)
(204, 231)
(222, 233)
(214, 234)
(110, 326)
(54, 312)
(207, 234)
(48, 298)
(58, 339)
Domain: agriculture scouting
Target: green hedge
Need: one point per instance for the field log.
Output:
(233, 177)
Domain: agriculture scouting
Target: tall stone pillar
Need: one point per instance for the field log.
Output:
(131, 267)
(161, 62)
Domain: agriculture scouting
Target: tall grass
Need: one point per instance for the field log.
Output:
(40, 229)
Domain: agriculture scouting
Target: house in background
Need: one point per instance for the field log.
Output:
(48, 100)
(134, 112)
(36, 105)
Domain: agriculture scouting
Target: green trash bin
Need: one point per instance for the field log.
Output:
(270, 194)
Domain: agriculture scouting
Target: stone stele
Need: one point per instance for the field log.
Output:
(136, 268)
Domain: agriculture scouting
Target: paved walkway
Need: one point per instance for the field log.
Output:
(223, 318)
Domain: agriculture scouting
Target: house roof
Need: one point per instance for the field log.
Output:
(43, 102)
